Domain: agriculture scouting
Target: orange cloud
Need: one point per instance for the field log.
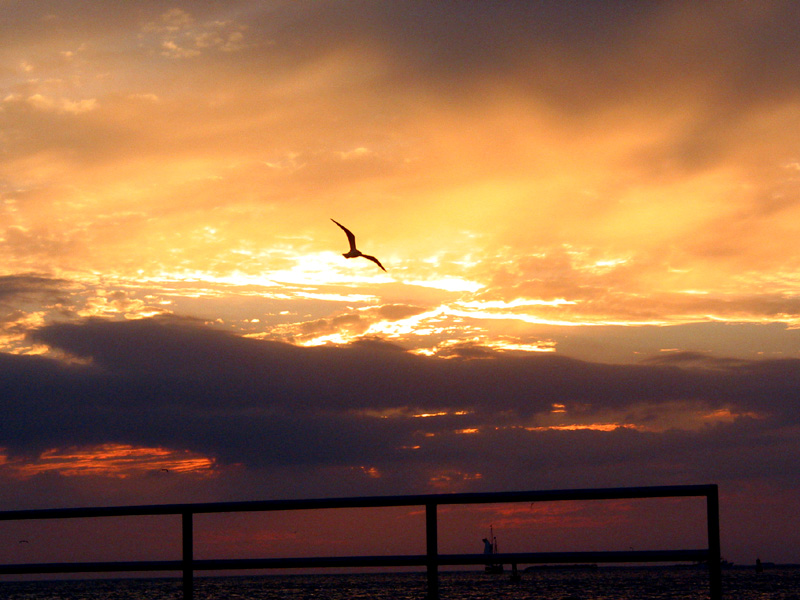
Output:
(110, 460)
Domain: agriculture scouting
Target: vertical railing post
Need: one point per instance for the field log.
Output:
(714, 548)
(432, 551)
(187, 536)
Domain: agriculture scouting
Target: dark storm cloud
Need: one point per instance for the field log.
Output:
(179, 384)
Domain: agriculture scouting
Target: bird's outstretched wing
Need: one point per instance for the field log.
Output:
(373, 259)
(350, 237)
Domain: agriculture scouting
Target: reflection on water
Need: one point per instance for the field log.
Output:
(597, 584)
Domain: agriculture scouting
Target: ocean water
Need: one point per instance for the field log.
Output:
(596, 584)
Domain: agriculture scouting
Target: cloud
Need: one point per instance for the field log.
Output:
(615, 187)
(181, 36)
(254, 419)
(22, 287)
(62, 105)
(290, 376)
(174, 383)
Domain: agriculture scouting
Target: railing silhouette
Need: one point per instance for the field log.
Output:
(431, 560)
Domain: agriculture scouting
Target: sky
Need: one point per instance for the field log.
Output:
(588, 214)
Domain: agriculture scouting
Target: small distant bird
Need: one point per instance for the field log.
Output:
(354, 252)
(165, 470)
(24, 542)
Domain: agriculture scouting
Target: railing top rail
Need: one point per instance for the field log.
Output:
(365, 502)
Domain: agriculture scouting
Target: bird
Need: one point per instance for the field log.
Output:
(354, 252)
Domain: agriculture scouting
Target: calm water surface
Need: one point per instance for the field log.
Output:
(598, 584)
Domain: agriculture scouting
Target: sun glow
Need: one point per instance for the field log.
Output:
(408, 413)
(448, 284)
(590, 427)
(651, 418)
(338, 339)
(517, 303)
(541, 346)
(112, 460)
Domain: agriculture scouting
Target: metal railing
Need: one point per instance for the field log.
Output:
(431, 560)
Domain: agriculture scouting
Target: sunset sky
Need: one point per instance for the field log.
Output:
(589, 215)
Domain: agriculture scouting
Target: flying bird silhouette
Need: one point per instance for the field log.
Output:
(355, 252)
